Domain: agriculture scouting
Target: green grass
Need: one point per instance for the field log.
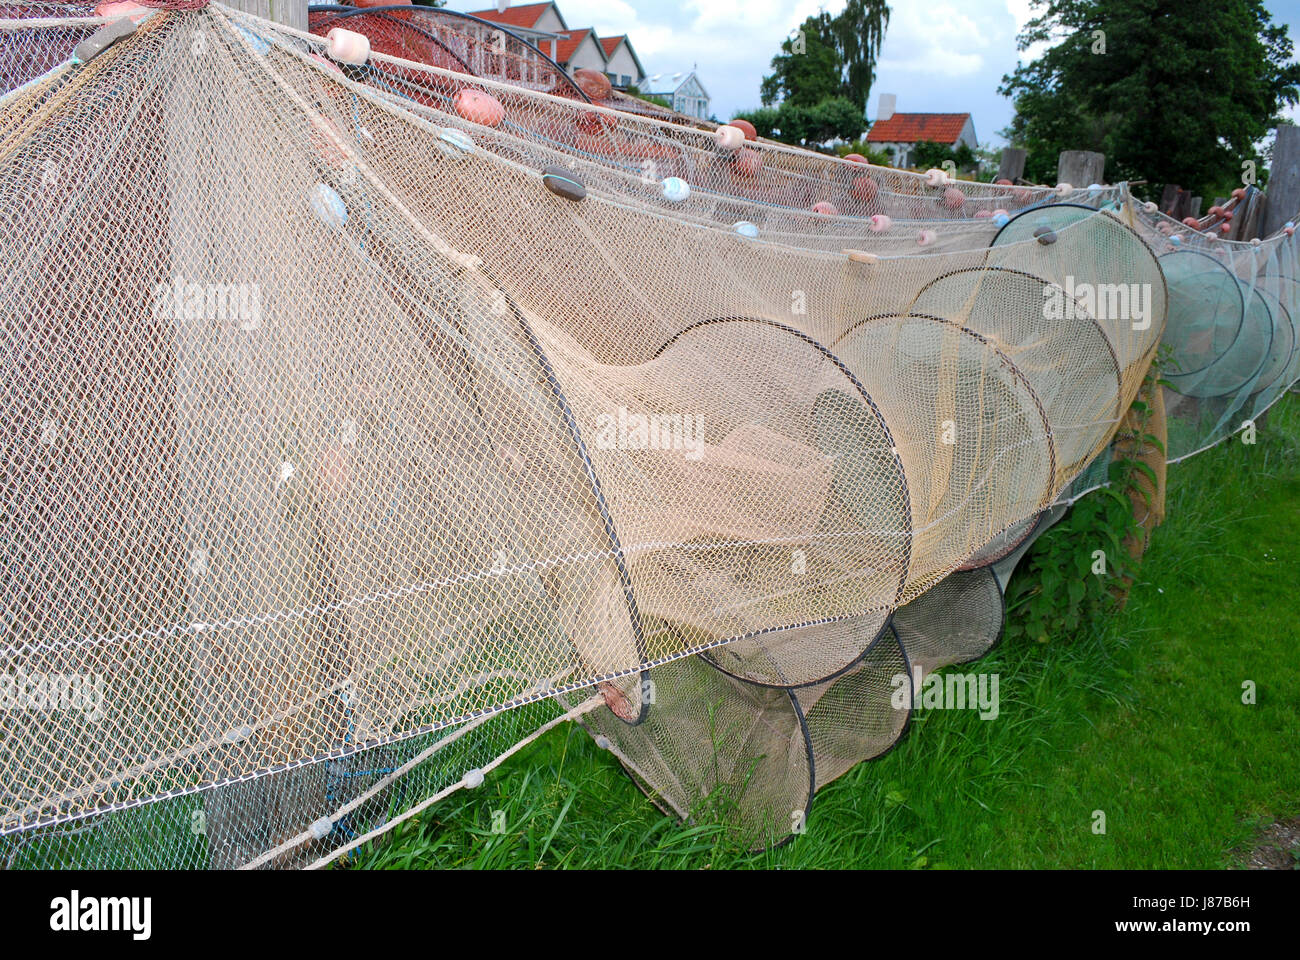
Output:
(1140, 716)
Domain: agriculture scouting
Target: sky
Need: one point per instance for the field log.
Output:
(942, 56)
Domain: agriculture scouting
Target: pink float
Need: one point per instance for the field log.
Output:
(825, 209)
(864, 188)
(729, 137)
(748, 163)
(479, 107)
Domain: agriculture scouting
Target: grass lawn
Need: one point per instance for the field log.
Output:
(1140, 717)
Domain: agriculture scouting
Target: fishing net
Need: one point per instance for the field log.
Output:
(365, 417)
(1232, 334)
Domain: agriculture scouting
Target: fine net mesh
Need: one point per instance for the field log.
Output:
(355, 432)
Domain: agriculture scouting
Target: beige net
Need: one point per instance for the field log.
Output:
(350, 406)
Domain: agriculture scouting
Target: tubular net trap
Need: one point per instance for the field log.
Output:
(368, 413)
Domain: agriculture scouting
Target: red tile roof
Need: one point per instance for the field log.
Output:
(610, 44)
(525, 15)
(915, 127)
(569, 44)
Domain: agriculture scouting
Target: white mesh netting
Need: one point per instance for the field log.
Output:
(363, 420)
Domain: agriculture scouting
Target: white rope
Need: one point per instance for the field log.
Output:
(583, 708)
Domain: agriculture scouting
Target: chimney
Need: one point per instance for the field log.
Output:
(888, 103)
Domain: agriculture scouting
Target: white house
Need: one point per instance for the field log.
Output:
(580, 49)
(899, 133)
(683, 91)
(622, 65)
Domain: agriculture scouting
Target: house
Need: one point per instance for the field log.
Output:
(683, 91)
(579, 49)
(541, 24)
(899, 133)
(623, 67)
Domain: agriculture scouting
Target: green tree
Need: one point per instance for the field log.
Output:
(1171, 91)
(833, 118)
(859, 31)
(927, 154)
(829, 57)
(808, 68)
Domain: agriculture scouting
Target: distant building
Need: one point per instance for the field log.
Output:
(539, 23)
(579, 49)
(899, 133)
(622, 65)
(683, 91)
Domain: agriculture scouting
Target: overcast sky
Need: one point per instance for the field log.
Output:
(939, 55)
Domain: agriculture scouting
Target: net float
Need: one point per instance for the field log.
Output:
(591, 121)
(748, 162)
(1064, 188)
(328, 206)
(345, 46)
(864, 188)
(926, 237)
(479, 107)
(563, 183)
(935, 177)
(954, 198)
(729, 137)
(675, 189)
(856, 158)
(880, 223)
(825, 209)
(751, 133)
(593, 83)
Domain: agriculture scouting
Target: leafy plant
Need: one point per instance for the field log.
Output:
(1063, 581)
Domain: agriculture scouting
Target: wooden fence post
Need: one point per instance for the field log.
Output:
(1011, 166)
(1283, 181)
(1081, 168)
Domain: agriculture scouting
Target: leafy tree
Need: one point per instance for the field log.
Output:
(1171, 91)
(829, 57)
(859, 31)
(808, 68)
(879, 157)
(765, 120)
(833, 118)
(928, 154)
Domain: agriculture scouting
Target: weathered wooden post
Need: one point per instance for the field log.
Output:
(291, 13)
(1249, 217)
(1283, 181)
(1011, 166)
(1081, 168)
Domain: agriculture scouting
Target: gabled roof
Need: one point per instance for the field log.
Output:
(670, 82)
(570, 42)
(915, 127)
(610, 44)
(525, 15)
